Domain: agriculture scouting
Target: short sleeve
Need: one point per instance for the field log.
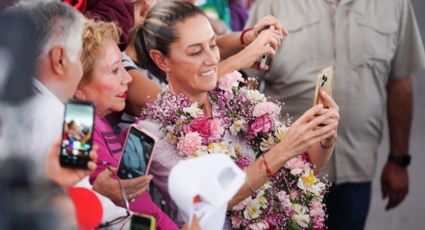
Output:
(409, 56)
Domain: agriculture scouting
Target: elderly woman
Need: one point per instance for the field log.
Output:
(105, 82)
(179, 43)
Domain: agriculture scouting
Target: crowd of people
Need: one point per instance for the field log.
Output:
(182, 70)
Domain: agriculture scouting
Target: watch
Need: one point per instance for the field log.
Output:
(402, 160)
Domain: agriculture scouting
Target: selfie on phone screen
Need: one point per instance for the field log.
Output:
(77, 134)
(136, 154)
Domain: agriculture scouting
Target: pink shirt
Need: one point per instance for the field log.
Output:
(110, 144)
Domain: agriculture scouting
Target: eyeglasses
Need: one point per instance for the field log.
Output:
(121, 219)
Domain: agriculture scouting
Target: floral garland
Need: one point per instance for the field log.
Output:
(291, 199)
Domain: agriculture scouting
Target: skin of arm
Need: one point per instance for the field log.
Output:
(395, 178)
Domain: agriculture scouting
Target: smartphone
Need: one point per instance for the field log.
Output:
(323, 83)
(77, 134)
(137, 153)
(142, 222)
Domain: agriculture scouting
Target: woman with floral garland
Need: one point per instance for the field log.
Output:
(200, 115)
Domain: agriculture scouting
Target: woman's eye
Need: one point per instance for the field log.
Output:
(115, 71)
(213, 46)
(196, 53)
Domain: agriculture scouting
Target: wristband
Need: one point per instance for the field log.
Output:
(403, 160)
(268, 171)
(243, 34)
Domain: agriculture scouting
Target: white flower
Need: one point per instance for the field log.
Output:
(194, 111)
(221, 148)
(237, 126)
(281, 132)
(267, 144)
(242, 204)
(255, 96)
(261, 199)
(300, 216)
(252, 210)
(309, 182)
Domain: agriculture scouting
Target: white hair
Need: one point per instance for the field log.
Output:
(57, 24)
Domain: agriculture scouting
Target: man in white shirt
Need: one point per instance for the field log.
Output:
(58, 71)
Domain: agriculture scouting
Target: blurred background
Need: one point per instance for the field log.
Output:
(411, 213)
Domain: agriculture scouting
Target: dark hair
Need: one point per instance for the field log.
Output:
(158, 31)
(26, 200)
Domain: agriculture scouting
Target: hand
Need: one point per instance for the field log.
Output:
(192, 226)
(308, 130)
(330, 106)
(110, 187)
(264, 24)
(394, 184)
(264, 44)
(67, 177)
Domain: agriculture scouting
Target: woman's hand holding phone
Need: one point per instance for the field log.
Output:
(108, 186)
(67, 177)
(332, 108)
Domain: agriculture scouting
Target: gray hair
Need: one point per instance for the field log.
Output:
(57, 23)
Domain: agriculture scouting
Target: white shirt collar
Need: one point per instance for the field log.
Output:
(43, 90)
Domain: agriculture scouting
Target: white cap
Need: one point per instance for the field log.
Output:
(214, 178)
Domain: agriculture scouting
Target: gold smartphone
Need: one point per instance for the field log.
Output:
(323, 83)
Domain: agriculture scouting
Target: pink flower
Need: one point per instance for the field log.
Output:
(265, 108)
(201, 125)
(230, 80)
(296, 165)
(216, 127)
(261, 124)
(259, 226)
(189, 144)
(317, 209)
(236, 221)
(243, 162)
(293, 195)
(319, 223)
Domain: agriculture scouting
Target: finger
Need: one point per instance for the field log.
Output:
(329, 101)
(264, 67)
(315, 140)
(134, 184)
(309, 114)
(93, 153)
(394, 200)
(316, 121)
(323, 130)
(92, 166)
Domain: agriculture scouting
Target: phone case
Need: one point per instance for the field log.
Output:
(77, 134)
(323, 83)
(147, 133)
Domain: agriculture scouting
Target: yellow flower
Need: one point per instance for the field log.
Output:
(309, 179)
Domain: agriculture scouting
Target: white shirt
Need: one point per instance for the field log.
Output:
(31, 128)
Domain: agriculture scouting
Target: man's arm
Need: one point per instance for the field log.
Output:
(394, 179)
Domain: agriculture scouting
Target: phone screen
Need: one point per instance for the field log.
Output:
(136, 154)
(77, 134)
(139, 222)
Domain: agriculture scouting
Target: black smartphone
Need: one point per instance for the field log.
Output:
(77, 134)
(142, 222)
(137, 153)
